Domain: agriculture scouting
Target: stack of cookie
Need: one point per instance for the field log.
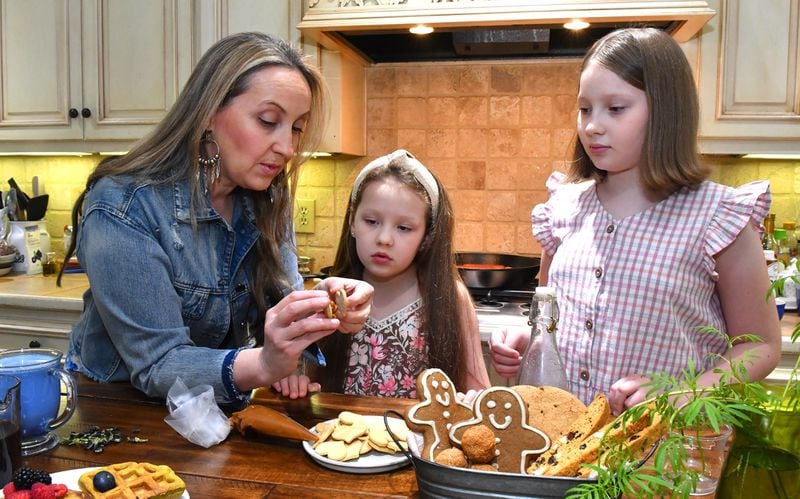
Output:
(351, 435)
(542, 431)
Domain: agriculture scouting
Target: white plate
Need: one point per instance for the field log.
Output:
(371, 462)
(70, 479)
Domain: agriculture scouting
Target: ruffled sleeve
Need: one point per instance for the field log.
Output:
(541, 216)
(748, 203)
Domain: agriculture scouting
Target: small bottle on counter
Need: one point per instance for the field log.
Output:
(791, 237)
(541, 363)
(49, 266)
(768, 237)
(67, 237)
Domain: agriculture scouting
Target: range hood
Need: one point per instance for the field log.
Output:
(375, 31)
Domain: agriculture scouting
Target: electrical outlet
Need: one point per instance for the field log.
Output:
(304, 216)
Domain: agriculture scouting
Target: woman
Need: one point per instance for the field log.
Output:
(188, 241)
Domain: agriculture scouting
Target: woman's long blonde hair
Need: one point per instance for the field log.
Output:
(171, 151)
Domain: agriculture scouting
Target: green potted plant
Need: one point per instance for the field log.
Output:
(765, 456)
(689, 413)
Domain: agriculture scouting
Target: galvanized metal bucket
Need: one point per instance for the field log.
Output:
(439, 481)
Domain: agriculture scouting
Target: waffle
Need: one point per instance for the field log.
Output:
(136, 481)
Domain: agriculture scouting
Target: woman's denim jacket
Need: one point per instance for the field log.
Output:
(165, 300)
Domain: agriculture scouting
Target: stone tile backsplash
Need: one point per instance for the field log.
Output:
(491, 131)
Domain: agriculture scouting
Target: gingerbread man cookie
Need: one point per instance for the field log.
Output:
(503, 411)
(437, 411)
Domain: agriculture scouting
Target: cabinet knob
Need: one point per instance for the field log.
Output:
(73, 113)
(34, 344)
(85, 112)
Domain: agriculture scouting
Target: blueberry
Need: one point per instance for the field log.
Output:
(104, 481)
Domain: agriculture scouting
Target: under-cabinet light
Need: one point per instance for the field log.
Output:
(771, 156)
(421, 29)
(43, 153)
(576, 24)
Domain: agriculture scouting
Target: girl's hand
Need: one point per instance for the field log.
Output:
(505, 349)
(296, 386)
(627, 392)
(359, 301)
(290, 326)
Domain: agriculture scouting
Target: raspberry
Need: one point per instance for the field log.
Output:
(20, 494)
(43, 492)
(9, 489)
(60, 489)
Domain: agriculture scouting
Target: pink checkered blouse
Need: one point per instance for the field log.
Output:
(633, 292)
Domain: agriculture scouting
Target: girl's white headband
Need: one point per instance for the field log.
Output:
(411, 164)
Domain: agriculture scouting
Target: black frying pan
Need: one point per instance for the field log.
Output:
(497, 270)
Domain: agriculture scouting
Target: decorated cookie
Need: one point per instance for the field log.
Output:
(503, 411)
(437, 411)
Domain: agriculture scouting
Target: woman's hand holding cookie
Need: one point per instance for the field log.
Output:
(355, 295)
(290, 326)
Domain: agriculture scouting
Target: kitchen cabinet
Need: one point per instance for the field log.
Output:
(749, 80)
(216, 19)
(81, 71)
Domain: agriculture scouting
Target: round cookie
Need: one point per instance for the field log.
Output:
(478, 443)
(550, 409)
(452, 457)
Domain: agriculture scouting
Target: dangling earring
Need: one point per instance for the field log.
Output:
(211, 163)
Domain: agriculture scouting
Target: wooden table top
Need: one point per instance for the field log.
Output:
(256, 467)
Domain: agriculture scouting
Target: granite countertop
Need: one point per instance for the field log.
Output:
(38, 291)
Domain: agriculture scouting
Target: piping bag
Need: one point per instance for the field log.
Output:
(194, 414)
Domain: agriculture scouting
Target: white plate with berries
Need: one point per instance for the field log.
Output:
(70, 479)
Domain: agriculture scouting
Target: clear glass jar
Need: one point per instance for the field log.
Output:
(791, 237)
(541, 363)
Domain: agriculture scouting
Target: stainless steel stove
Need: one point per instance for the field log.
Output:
(497, 309)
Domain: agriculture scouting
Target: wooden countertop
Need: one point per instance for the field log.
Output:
(237, 467)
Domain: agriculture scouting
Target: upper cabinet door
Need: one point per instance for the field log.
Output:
(89, 75)
(137, 57)
(216, 19)
(40, 76)
(749, 78)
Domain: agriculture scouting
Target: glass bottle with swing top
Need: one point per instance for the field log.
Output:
(541, 363)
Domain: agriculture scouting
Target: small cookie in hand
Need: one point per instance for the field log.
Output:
(337, 306)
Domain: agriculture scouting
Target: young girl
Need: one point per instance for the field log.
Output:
(397, 236)
(640, 247)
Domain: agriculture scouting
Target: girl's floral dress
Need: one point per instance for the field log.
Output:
(387, 355)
